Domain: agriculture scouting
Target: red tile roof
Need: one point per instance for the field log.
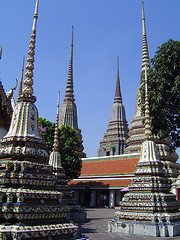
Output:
(106, 172)
(99, 184)
(117, 166)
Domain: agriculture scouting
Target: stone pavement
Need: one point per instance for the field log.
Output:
(96, 227)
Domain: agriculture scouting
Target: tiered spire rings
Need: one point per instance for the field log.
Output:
(145, 52)
(69, 86)
(148, 132)
(28, 81)
(56, 141)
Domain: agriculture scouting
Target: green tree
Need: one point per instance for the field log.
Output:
(68, 142)
(47, 129)
(164, 92)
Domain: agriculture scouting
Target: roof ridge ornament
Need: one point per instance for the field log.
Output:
(10, 93)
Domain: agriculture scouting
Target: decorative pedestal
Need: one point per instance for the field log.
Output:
(147, 229)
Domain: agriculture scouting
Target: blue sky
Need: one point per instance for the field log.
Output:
(103, 30)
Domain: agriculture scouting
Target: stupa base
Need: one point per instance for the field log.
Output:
(44, 232)
(146, 229)
(78, 216)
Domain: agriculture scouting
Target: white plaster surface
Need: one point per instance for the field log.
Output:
(147, 229)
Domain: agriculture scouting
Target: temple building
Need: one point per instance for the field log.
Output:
(5, 112)
(137, 128)
(68, 111)
(6, 107)
(33, 205)
(114, 141)
(7, 104)
(109, 173)
(104, 176)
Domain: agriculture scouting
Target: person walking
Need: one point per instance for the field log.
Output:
(105, 200)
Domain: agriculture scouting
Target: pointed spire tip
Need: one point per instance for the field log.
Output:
(35, 15)
(118, 96)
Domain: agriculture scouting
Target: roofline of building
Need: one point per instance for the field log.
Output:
(112, 157)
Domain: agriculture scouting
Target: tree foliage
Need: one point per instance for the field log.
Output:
(69, 157)
(47, 129)
(164, 92)
(68, 144)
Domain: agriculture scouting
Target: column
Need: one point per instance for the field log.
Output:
(118, 197)
(76, 196)
(112, 199)
(93, 199)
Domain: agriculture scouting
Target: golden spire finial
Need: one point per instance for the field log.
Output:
(35, 16)
(145, 52)
(143, 20)
(56, 140)
(0, 51)
(118, 96)
(28, 81)
(118, 66)
(148, 132)
(69, 86)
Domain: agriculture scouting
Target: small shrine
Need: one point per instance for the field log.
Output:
(149, 208)
(76, 213)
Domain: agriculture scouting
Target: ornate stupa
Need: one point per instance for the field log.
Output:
(76, 213)
(149, 208)
(68, 111)
(137, 128)
(31, 199)
(114, 141)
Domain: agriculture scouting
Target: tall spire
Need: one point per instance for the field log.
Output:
(69, 86)
(28, 81)
(68, 111)
(145, 52)
(148, 132)
(114, 139)
(55, 158)
(138, 131)
(56, 141)
(20, 83)
(118, 97)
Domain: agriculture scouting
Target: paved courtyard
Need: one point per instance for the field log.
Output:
(96, 227)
